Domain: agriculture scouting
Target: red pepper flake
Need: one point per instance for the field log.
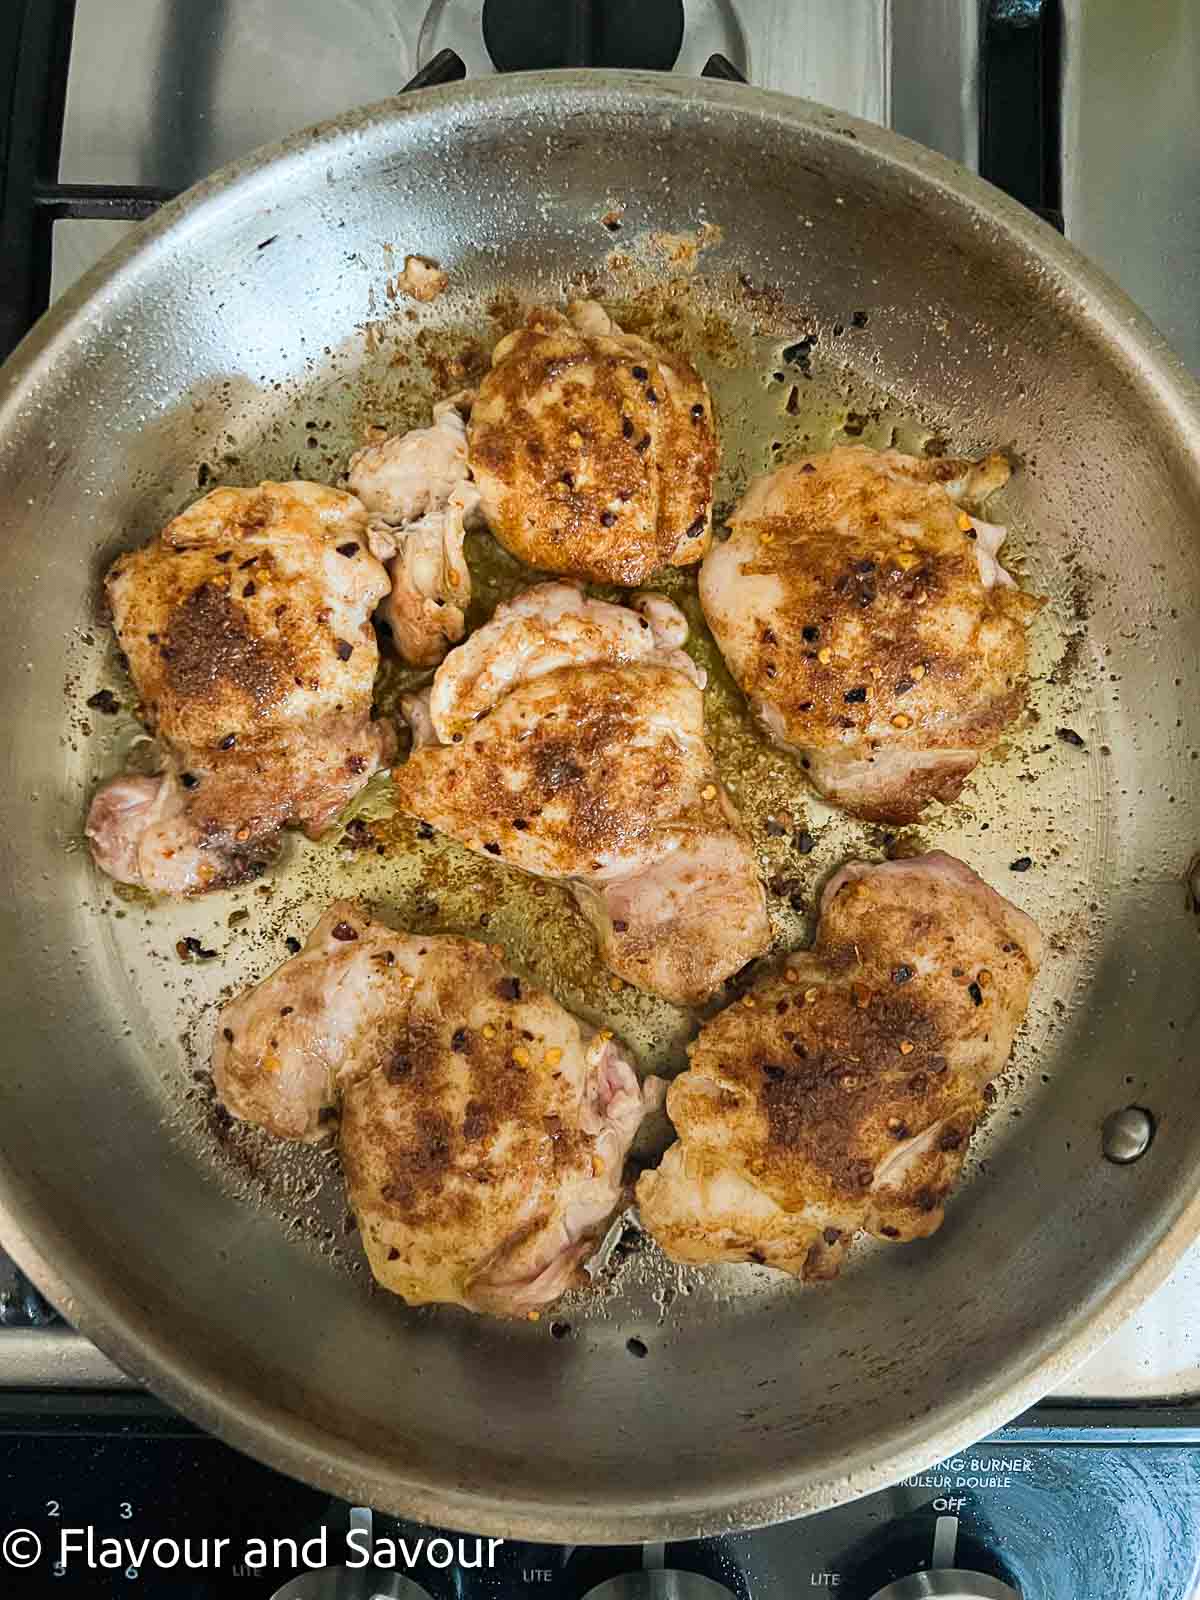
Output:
(190, 947)
(492, 849)
(344, 931)
(349, 549)
(343, 648)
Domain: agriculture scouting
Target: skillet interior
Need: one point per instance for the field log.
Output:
(255, 318)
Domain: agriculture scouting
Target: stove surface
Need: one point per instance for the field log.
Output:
(106, 1493)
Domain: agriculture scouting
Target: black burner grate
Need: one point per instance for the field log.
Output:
(528, 35)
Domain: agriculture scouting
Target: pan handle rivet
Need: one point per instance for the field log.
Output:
(1127, 1135)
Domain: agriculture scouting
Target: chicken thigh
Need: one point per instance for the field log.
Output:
(482, 1129)
(566, 737)
(247, 628)
(841, 1093)
(867, 619)
(421, 502)
(594, 450)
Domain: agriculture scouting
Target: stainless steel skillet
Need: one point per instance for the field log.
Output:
(255, 315)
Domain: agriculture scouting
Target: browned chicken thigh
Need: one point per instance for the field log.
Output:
(566, 737)
(482, 1129)
(247, 628)
(593, 450)
(842, 1092)
(867, 619)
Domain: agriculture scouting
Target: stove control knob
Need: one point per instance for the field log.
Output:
(945, 1580)
(660, 1585)
(336, 1583)
(948, 1584)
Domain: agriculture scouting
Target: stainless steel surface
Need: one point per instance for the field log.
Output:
(164, 93)
(948, 1586)
(982, 326)
(1131, 149)
(660, 1585)
(1127, 1134)
(56, 1358)
(1155, 1355)
(933, 75)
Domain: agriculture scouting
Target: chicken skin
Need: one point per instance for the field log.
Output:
(566, 737)
(421, 502)
(869, 623)
(594, 450)
(482, 1129)
(841, 1094)
(247, 628)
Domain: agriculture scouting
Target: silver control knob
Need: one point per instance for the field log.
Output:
(948, 1584)
(659, 1585)
(944, 1580)
(338, 1583)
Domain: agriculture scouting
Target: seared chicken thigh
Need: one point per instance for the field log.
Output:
(593, 450)
(566, 737)
(247, 628)
(842, 1092)
(482, 1129)
(867, 619)
(421, 501)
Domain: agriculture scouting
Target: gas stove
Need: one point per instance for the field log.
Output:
(113, 105)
